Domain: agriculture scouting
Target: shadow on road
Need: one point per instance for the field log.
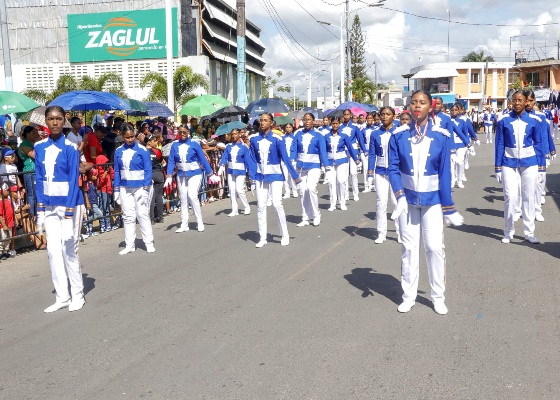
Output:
(249, 236)
(550, 248)
(368, 233)
(89, 283)
(492, 233)
(486, 211)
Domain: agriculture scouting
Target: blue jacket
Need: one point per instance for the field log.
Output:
(236, 157)
(355, 135)
(489, 118)
(267, 151)
(459, 135)
(288, 140)
(324, 130)
(546, 137)
(525, 151)
(338, 148)
(421, 172)
(311, 150)
(188, 156)
(379, 149)
(57, 164)
(366, 134)
(133, 166)
(470, 127)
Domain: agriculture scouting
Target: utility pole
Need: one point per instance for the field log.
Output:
(309, 91)
(348, 52)
(375, 81)
(6, 47)
(241, 87)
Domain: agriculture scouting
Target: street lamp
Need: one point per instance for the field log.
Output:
(341, 57)
(448, 26)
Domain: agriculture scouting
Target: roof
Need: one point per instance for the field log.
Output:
(435, 73)
(536, 64)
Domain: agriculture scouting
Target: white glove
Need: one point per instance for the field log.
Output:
(253, 187)
(540, 177)
(553, 157)
(471, 151)
(477, 142)
(402, 207)
(454, 219)
(214, 179)
(370, 180)
(221, 170)
(40, 222)
(359, 166)
(168, 181)
(328, 168)
(499, 177)
(117, 197)
(302, 187)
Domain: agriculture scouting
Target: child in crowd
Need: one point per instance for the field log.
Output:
(6, 223)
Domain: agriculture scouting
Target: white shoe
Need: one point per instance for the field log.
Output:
(247, 211)
(261, 244)
(460, 185)
(543, 200)
(77, 304)
(285, 241)
(331, 208)
(466, 165)
(405, 306)
(150, 248)
(286, 196)
(182, 229)
(399, 240)
(506, 240)
(516, 217)
(356, 197)
(295, 193)
(464, 178)
(532, 239)
(539, 217)
(317, 221)
(380, 240)
(57, 306)
(453, 184)
(127, 250)
(233, 214)
(343, 207)
(440, 308)
(366, 190)
(303, 223)
(200, 227)
(269, 203)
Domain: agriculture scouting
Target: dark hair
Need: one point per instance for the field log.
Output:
(426, 94)
(335, 119)
(292, 125)
(54, 108)
(125, 128)
(458, 105)
(528, 93)
(149, 137)
(26, 130)
(522, 92)
(310, 114)
(269, 114)
(101, 128)
(391, 109)
(435, 98)
(74, 119)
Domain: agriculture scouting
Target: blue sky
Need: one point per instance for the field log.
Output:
(395, 39)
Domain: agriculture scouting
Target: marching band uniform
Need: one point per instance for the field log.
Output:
(236, 157)
(519, 157)
(289, 181)
(267, 151)
(310, 147)
(132, 185)
(488, 124)
(356, 138)
(60, 208)
(470, 129)
(367, 133)
(338, 149)
(459, 145)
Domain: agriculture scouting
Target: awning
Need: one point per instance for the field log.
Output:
(447, 98)
(222, 35)
(435, 73)
(229, 57)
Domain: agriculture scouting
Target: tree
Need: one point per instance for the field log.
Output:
(185, 81)
(357, 45)
(473, 56)
(269, 82)
(363, 90)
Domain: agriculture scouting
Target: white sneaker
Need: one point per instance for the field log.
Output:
(295, 193)
(453, 184)
(460, 185)
(366, 190)
(77, 304)
(356, 197)
(200, 227)
(303, 223)
(380, 240)
(539, 217)
(532, 239)
(127, 250)
(506, 240)
(57, 306)
(405, 306)
(399, 240)
(516, 216)
(440, 308)
(331, 208)
(269, 203)
(343, 207)
(543, 200)
(261, 244)
(247, 211)
(317, 221)
(150, 248)
(233, 214)
(285, 241)
(182, 229)
(286, 196)
(464, 178)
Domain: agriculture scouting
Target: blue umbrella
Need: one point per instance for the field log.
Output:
(82, 100)
(369, 107)
(227, 128)
(271, 105)
(155, 109)
(349, 104)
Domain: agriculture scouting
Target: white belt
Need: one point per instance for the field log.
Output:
(339, 155)
(426, 183)
(236, 165)
(383, 161)
(51, 188)
(132, 175)
(458, 139)
(523, 152)
(269, 169)
(309, 158)
(188, 166)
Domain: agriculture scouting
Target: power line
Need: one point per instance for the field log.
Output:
(312, 16)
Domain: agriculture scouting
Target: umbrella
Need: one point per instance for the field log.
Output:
(136, 105)
(37, 117)
(204, 105)
(15, 103)
(83, 100)
(227, 128)
(349, 104)
(357, 111)
(228, 111)
(283, 120)
(370, 107)
(154, 109)
(300, 113)
(336, 113)
(271, 105)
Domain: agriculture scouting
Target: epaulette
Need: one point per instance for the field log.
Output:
(277, 136)
(535, 117)
(441, 130)
(401, 128)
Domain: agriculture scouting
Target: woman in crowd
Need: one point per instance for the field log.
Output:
(188, 156)
(420, 176)
(405, 118)
(289, 183)
(26, 153)
(132, 186)
(156, 196)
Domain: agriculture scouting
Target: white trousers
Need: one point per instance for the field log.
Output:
(364, 158)
(264, 190)
(63, 238)
(383, 187)
(188, 193)
(236, 184)
(289, 181)
(488, 131)
(134, 209)
(338, 183)
(310, 198)
(458, 165)
(422, 223)
(511, 177)
(540, 191)
(353, 168)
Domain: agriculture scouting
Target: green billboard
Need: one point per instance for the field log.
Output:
(121, 35)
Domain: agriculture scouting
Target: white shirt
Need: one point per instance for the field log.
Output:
(76, 139)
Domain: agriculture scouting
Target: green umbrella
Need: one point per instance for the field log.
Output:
(283, 120)
(204, 105)
(136, 105)
(16, 103)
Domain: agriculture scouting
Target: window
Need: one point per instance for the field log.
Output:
(475, 77)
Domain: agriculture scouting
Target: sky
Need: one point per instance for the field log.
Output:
(400, 35)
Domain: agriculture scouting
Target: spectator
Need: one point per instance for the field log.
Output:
(26, 152)
(6, 223)
(74, 135)
(92, 147)
(8, 168)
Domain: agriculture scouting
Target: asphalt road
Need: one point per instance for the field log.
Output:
(209, 316)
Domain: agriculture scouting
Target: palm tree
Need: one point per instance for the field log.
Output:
(65, 83)
(185, 81)
(477, 57)
(363, 90)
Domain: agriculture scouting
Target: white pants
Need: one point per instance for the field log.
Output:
(511, 177)
(134, 209)
(264, 190)
(364, 158)
(289, 181)
(353, 168)
(310, 198)
(338, 183)
(188, 193)
(426, 223)
(63, 238)
(458, 165)
(488, 131)
(383, 187)
(540, 191)
(236, 184)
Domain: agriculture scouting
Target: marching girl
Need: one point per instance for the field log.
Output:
(288, 138)
(488, 123)
(420, 177)
(367, 133)
(379, 163)
(349, 129)
(460, 143)
(470, 129)
(311, 150)
(405, 118)
(188, 156)
(236, 157)
(156, 195)
(338, 149)
(132, 186)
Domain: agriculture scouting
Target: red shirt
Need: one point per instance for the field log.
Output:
(92, 141)
(105, 185)
(7, 211)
